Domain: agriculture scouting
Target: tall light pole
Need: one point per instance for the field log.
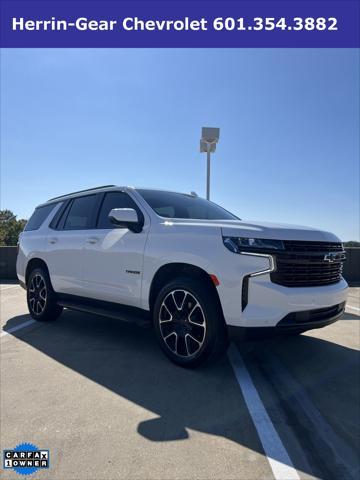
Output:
(209, 139)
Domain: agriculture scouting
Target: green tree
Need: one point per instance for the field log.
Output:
(352, 243)
(10, 228)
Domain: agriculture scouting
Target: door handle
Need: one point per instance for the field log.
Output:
(52, 240)
(91, 240)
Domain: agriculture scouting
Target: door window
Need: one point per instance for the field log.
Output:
(81, 213)
(114, 200)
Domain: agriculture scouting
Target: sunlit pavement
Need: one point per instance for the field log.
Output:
(100, 395)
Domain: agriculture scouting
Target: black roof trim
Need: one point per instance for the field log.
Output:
(80, 191)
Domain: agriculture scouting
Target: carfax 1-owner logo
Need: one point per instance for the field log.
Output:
(26, 459)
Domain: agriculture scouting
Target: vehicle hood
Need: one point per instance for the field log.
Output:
(250, 229)
(278, 231)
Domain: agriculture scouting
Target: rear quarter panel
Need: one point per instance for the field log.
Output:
(31, 245)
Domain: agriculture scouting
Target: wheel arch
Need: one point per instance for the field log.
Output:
(169, 271)
(35, 263)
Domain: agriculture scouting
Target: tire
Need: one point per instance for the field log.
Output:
(40, 296)
(189, 323)
(291, 333)
(296, 333)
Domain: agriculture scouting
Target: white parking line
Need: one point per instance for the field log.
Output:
(275, 451)
(345, 458)
(17, 327)
(349, 307)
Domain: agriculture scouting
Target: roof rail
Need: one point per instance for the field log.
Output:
(81, 191)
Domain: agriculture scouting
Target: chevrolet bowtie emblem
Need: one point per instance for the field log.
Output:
(333, 256)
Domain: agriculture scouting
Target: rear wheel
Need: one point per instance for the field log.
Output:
(188, 322)
(41, 298)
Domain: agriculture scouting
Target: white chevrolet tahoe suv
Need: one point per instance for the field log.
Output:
(193, 268)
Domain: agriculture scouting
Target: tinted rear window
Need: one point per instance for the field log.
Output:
(81, 213)
(38, 217)
(181, 205)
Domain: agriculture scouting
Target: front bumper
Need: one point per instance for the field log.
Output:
(269, 303)
(295, 322)
(309, 319)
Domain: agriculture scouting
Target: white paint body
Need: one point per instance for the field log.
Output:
(96, 263)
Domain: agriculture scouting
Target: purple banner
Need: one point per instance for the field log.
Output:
(174, 24)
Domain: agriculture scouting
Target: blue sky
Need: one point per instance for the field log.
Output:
(289, 119)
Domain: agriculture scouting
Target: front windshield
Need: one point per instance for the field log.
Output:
(181, 205)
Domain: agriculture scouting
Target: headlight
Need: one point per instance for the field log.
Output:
(243, 244)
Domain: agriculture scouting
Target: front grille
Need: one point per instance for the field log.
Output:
(308, 264)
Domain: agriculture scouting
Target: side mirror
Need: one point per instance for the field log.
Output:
(126, 218)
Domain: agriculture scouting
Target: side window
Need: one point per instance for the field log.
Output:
(80, 213)
(114, 200)
(55, 220)
(60, 224)
(167, 212)
(38, 217)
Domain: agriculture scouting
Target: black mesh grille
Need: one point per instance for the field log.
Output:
(312, 316)
(308, 264)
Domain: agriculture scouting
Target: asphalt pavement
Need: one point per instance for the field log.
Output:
(101, 397)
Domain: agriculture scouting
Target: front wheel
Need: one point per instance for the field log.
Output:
(41, 298)
(188, 322)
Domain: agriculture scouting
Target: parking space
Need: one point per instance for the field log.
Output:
(100, 395)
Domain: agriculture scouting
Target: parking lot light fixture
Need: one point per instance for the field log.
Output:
(209, 139)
